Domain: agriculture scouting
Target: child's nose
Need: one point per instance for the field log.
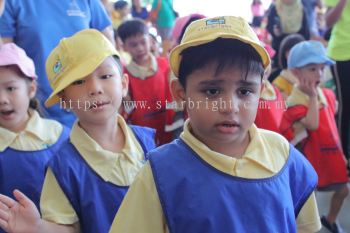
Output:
(229, 104)
(3, 98)
(94, 87)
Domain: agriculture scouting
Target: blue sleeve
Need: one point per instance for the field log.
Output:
(8, 20)
(99, 17)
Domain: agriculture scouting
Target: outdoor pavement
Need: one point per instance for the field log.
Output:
(323, 199)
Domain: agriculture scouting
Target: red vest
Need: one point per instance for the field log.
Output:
(150, 96)
(322, 147)
(270, 112)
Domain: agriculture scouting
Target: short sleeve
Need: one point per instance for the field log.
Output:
(99, 17)
(54, 204)
(142, 205)
(308, 219)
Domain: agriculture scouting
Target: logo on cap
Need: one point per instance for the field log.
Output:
(57, 67)
(215, 21)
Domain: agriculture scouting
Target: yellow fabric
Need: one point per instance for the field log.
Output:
(268, 92)
(117, 168)
(291, 16)
(285, 82)
(297, 97)
(206, 30)
(264, 157)
(70, 61)
(143, 72)
(39, 134)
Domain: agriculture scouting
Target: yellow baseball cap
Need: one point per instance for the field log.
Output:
(74, 58)
(205, 30)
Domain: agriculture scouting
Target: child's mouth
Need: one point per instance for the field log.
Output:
(7, 113)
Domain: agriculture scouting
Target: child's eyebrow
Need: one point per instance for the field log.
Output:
(247, 83)
(9, 82)
(211, 82)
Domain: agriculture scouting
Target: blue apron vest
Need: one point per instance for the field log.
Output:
(25, 170)
(196, 197)
(94, 200)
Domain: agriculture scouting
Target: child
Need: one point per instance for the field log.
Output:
(148, 81)
(286, 80)
(27, 141)
(88, 178)
(120, 13)
(223, 174)
(311, 113)
(271, 105)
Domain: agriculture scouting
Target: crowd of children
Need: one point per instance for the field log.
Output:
(226, 133)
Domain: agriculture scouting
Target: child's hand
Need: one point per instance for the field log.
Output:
(308, 86)
(19, 216)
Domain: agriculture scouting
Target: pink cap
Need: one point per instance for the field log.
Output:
(11, 54)
(180, 24)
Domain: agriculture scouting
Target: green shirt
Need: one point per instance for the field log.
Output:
(166, 16)
(339, 44)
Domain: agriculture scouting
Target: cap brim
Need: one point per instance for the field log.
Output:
(79, 72)
(175, 55)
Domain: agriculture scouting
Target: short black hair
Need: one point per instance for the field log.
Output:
(118, 5)
(286, 44)
(131, 28)
(225, 52)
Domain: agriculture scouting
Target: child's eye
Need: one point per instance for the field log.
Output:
(212, 92)
(10, 89)
(78, 82)
(244, 92)
(106, 76)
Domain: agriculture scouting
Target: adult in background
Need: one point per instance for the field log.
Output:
(38, 25)
(286, 17)
(138, 11)
(338, 17)
(165, 21)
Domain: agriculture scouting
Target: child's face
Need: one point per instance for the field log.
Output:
(221, 107)
(312, 72)
(15, 94)
(97, 97)
(139, 48)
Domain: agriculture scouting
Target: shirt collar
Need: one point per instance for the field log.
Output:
(35, 127)
(143, 72)
(102, 161)
(298, 97)
(268, 92)
(256, 152)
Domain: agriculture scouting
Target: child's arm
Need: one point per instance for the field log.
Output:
(22, 216)
(311, 120)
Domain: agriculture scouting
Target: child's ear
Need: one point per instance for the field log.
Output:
(32, 89)
(177, 90)
(125, 84)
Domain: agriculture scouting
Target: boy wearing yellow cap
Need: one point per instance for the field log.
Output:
(88, 178)
(223, 174)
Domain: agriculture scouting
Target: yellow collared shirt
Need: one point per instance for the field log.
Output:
(265, 155)
(117, 168)
(39, 134)
(143, 72)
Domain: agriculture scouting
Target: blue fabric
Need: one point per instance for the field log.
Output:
(38, 25)
(94, 200)
(25, 170)
(196, 197)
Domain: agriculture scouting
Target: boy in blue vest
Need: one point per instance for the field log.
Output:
(89, 176)
(223, 174)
